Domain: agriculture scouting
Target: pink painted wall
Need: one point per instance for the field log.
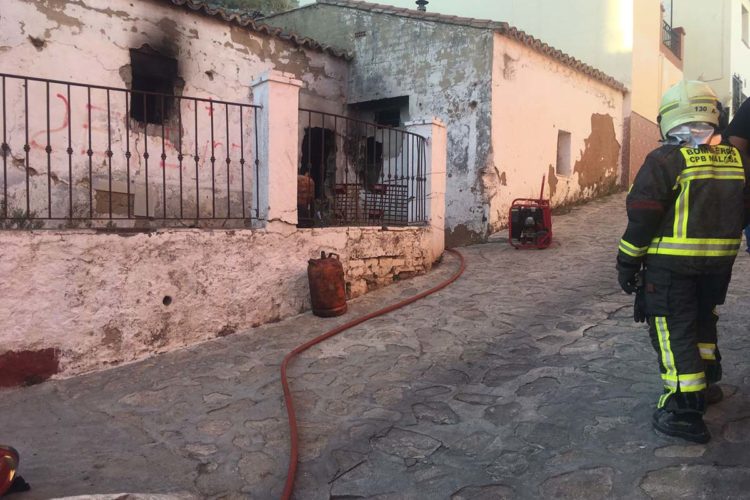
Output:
(534, 97)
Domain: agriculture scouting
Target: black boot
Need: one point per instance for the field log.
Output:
(685, 425)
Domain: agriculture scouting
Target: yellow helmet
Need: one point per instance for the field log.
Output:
(688, 101)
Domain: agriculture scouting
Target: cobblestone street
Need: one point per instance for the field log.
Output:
(525, 379)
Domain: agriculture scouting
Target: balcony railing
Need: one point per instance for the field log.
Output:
(362, 173)
(91, 155)
(671, 39)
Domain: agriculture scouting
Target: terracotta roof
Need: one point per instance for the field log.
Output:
(248, 22)
(502, 28)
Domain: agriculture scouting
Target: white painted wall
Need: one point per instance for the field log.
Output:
(102, 32)
(534, 97)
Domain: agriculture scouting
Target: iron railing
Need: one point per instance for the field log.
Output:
(80, 154)
(364, 174)
(671, 39)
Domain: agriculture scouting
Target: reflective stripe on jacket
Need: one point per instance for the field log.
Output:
(687, 207)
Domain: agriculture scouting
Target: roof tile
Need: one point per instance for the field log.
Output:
(248, 22)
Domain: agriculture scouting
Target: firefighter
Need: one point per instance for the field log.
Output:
(686, 210)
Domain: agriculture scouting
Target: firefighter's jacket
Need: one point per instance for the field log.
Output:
(687, 208)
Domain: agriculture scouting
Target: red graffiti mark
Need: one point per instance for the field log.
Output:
(163, 163)
(88, 108)
(35, 144)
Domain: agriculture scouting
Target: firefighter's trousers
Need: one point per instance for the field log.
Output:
(682, 320)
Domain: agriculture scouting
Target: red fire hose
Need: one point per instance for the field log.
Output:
(294, 438)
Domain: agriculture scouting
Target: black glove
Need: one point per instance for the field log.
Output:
(639, 306)
(626, 276)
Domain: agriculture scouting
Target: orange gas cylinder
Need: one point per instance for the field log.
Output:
(327, 291)
(8, 467)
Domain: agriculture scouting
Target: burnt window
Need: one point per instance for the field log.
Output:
(386, 112)
(154, 78)
(319, 158)
(388, 117)
(373, 162)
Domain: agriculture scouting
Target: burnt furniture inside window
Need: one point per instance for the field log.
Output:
(154, 76)
(390, 117)
(387, 112)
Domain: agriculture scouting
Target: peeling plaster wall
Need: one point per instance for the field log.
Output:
(82, 40)
(533, 98)
(83, 301)
(444, 70)
(88, 41)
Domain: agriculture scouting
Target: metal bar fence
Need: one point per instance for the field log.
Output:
(78, 154)
(671, 39)
(365, 174)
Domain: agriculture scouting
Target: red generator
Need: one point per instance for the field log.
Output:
(530, 222)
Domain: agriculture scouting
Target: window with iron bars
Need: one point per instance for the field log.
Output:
(98, 170)
(154, 78)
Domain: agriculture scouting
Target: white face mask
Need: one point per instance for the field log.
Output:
(693, 134)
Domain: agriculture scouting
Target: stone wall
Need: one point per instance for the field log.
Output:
(77, 301)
